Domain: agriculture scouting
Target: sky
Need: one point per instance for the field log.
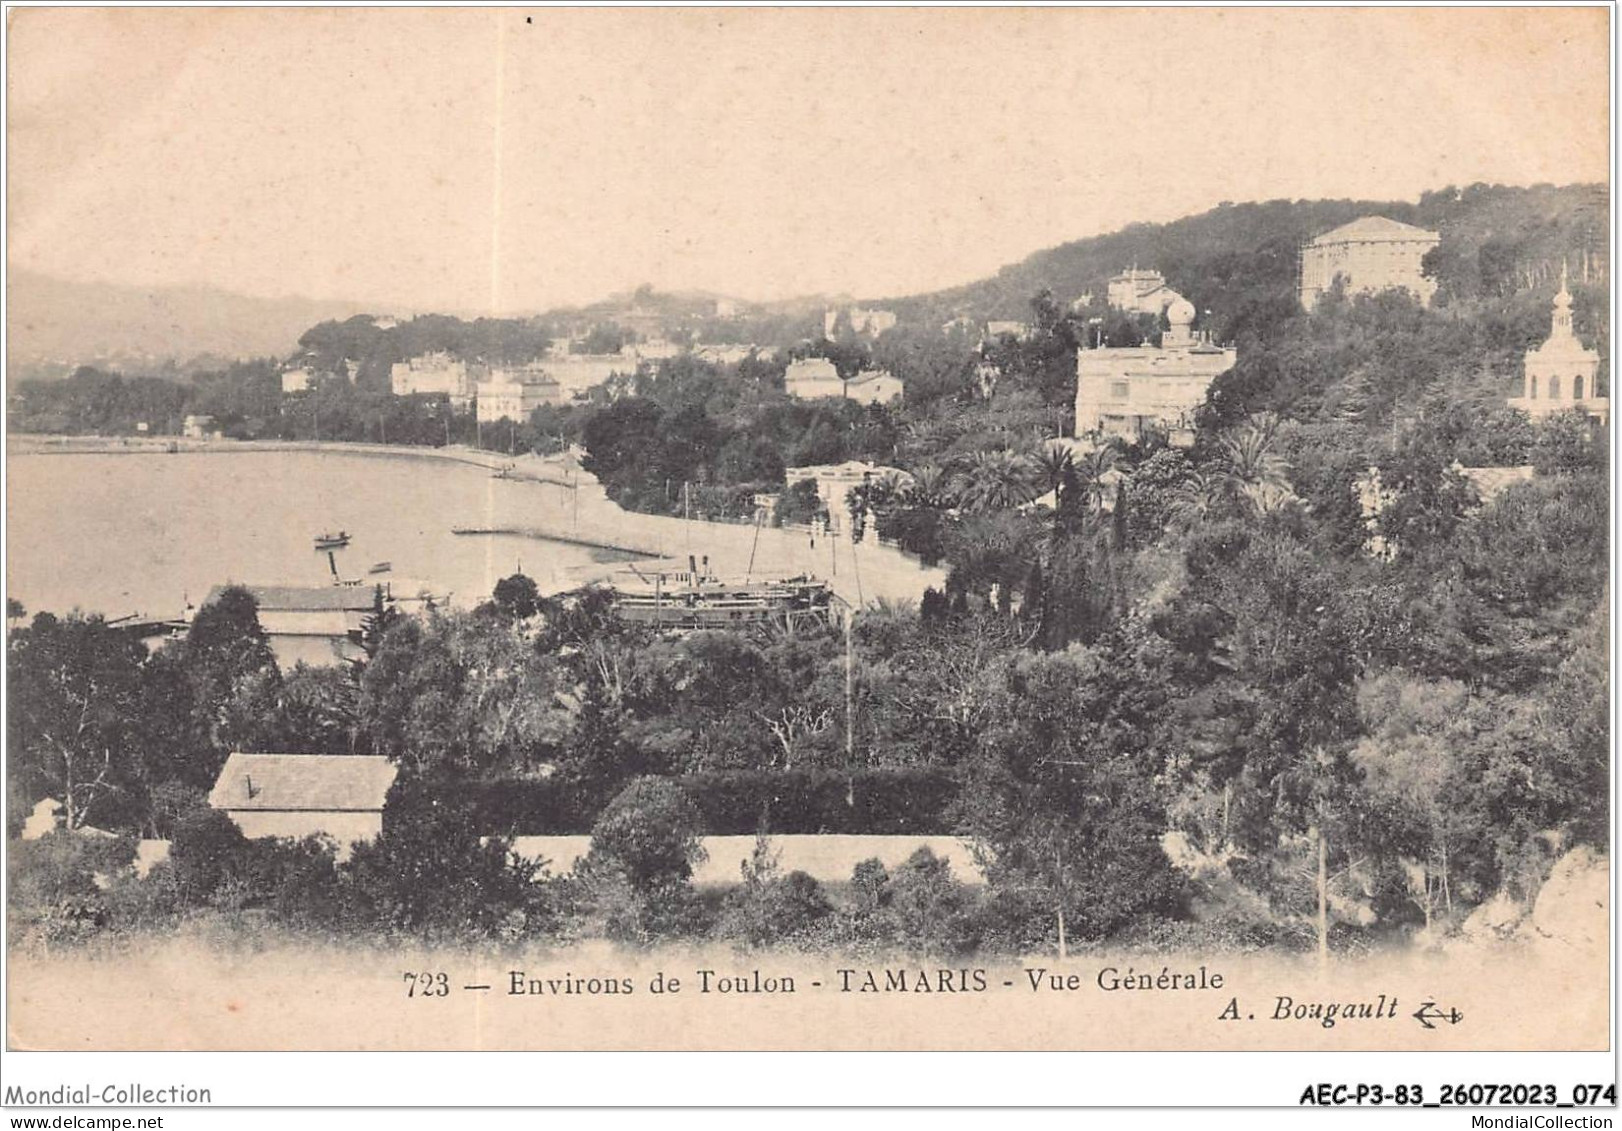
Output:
(508, 160)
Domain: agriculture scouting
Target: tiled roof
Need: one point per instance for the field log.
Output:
(868, 375)
(1372, 229)
(304, 598)
(1493, 481)
(312, 782)
(810, 367)
(311, 622)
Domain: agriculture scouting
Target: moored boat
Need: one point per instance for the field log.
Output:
(688, 600)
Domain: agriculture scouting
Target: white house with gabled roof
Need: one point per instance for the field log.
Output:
(300, 795)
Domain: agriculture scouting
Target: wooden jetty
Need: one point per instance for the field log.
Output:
(544, 535)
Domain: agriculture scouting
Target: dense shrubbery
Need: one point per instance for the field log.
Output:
(695, 438)
(879, 801)
(769, 908)
(432, 873)
(919, 909)
(635, 885)
(58, 885)
(429, 876)
(535, 807)
(872, 801)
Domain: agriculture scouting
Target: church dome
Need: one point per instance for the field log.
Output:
(1181, 313)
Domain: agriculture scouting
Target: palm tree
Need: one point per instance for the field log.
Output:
(1196, 498)
(1092, 472)
(1053, 462)
(924, 434)
(929, 488)
(997, 481)
(1252, 469)
(889, 485)
(898, 609)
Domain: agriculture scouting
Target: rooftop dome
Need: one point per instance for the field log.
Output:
(1181, 313)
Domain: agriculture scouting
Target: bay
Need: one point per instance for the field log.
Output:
(149, 532)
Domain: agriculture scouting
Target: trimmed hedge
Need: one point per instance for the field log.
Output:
(522, 807)
(886, 801)
(824, 801)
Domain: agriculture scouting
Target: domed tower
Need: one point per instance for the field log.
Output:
(1124, 391)
(1562, 309)
(1562, 372)
(1181, 316)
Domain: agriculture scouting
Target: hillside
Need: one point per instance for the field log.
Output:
(73, 323)
(1236, 261)
(1495, 240)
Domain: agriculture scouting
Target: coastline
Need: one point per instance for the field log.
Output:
(33, 443)
(859, 574)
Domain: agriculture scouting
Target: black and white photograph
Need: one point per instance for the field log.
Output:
(809, 529)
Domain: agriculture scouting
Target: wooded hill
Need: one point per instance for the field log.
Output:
(1236, 260)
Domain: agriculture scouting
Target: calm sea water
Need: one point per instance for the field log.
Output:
(145, 533)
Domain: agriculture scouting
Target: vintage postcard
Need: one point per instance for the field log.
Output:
(1063, 529)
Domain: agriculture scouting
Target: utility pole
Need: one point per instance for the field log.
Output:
(1064, 944)
(1323, 899)
(850, 706)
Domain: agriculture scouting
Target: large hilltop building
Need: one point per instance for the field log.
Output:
(1369, 254)
(1562, 374)
(1126, 391)
(1141, 291)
